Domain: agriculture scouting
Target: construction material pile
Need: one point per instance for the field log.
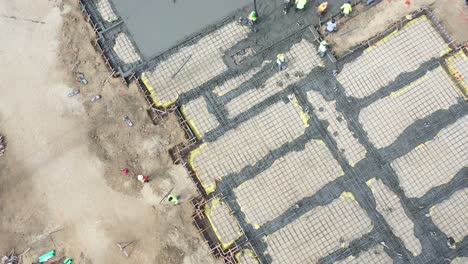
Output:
(2, 146)
(11, 258)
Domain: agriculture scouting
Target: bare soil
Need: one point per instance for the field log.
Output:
(60, 181)
(365, 23)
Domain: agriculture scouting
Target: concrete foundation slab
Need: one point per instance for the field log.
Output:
(402, 51)
(387, 118)
(293, 177)
(435, 162)
(318, 233)
(389, 206)
(451, 215)
(347, 142)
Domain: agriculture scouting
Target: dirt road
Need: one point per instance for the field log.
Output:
(62, 167)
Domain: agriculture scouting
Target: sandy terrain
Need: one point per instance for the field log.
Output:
(62, 167)
(366, 23)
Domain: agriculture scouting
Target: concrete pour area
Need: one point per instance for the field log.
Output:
(301, 166)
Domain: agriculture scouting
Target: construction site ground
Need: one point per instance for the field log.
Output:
(293, 166)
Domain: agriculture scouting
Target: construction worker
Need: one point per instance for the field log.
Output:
(124, 171)
(252, 18)
(323, 48)
(300, 5)
(321, 8)
(331, 26)
(281, 61)
(451, 243)
(143, 178)
(346, 8)
(173, 199)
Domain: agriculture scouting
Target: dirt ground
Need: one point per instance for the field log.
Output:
(61, 171)
(366, 23)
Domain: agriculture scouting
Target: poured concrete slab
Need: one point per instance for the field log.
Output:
(403, 51)
(387, 118)
(451, 215)
(199, 117)
(389, 206)
(346, 141)
(302, 58)
(318, 233)
(291, 178)
(158, 25)
(435, 162)
(223, 222)
(375, 255)
(192, 65)
(248, 143)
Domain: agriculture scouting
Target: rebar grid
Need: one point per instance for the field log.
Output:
(301, 59)
(347, 142)
(458, 66)
(297, 175)
(401, 51)
(389, 206)
(105, 10)
(277, 125)
(194, 65)
(319, 232)
(435, 162)
(374, 255)
(233, 83)
(387, 118)
(199, 117)
(125, 50)
(224, 224)
(451, 215)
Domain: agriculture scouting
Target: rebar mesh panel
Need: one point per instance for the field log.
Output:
(199, 116)
(233, 83)
(302, 58)
(248, 143)
(105, 10)
(318, 233)
(461, 260)
(451, 215)
(435, 162)
(387, 118)
(346, 141)
(458, 67)
(224, 223)
(125, 49)
(374, 255)
(401, 51)
(291, 178)
(196, 64)
(390, 207)
(247, 256)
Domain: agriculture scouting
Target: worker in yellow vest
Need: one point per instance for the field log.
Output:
(346, 8)
(300, 5)
(281, 61)
(252, 18)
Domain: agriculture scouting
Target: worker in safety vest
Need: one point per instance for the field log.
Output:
(252, 18)
(321, 8)
(173, 199)
(330, 26)
(323, 48)
(281, 61)
(143, 178)
(300, 5)
(346, 8)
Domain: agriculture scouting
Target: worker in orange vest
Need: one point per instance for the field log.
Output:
(321, 8)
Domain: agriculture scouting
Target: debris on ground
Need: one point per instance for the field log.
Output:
(128, 121)
(81, 78)
(74, 92)
(2, 145)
